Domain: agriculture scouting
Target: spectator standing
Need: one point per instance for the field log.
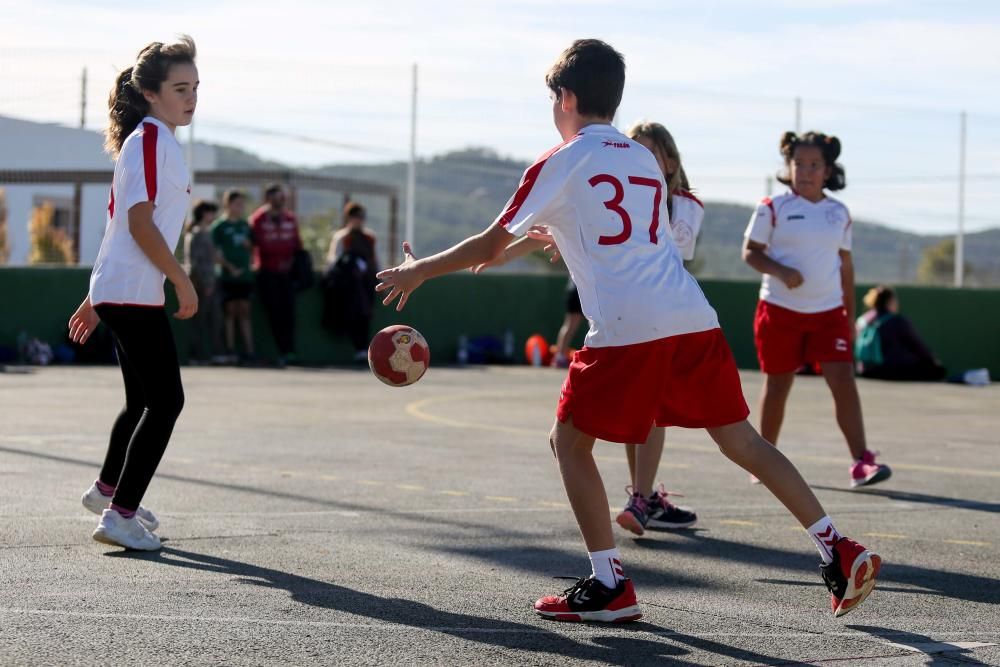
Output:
(199, 260)
(232, 238)
(275, 234)
(349, 281)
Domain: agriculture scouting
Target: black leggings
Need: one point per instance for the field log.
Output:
(153, 398)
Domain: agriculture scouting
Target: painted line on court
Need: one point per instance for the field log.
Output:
(521, 629)
(971, 543)
(418, 410)
(531, 506)
(540, 507)
(502, 499)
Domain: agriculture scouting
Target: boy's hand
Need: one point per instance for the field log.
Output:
(400, 281)
(542, 233)
(500, 260)
(83, 322)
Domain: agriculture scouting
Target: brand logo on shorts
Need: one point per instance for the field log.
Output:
(841, 345)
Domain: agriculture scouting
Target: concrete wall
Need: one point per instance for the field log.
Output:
(961, 326)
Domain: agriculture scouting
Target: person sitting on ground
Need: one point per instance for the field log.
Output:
(887, 346)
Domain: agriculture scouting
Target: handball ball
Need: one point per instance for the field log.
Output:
(398, 355)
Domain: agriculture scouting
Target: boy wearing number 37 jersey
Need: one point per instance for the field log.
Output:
(654, 353)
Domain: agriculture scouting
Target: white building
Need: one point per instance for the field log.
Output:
(26, 145)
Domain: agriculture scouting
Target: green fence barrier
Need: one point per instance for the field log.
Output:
(961, 326)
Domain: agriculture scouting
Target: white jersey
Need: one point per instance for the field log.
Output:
(151, 168)
(806, 236)
(685, 222)
(604, 199)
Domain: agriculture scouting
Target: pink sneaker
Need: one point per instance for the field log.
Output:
(866, 471)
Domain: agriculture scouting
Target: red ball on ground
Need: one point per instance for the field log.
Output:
(399, 355)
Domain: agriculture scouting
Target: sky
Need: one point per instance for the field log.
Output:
(309, 83)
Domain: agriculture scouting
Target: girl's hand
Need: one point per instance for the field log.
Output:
(187, 299)
(83, 322)
(791, 277)
(400, 281)
(542, 233)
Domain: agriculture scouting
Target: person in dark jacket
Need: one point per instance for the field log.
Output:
(888, 347)
(349, 280)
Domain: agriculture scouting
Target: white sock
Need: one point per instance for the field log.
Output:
(824, 535)
(607, 567)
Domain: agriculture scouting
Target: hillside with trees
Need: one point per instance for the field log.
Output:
(461, 192)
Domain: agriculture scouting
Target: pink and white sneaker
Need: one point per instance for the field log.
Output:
(97, 502)
(866, 471)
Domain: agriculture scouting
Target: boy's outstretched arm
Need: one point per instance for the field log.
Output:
(404, 279)
(538, 238)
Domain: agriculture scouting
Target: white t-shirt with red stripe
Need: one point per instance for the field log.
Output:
(685, 222)
(806, 236)
(150, 167)
(604, 199)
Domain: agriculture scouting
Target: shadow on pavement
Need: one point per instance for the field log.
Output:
(910, 497)
(627, 648)
(956, 585)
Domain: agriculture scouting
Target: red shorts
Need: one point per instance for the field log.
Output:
(618, 393)
(786, 340)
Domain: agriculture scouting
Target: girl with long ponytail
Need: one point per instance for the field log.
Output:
(150, 196)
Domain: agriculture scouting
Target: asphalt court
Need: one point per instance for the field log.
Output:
(319, 517)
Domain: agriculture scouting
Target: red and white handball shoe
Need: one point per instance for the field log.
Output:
(590, 600)
(851, 575)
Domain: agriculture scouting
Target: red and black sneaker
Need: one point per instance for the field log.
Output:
(590, 600)
(851, 575)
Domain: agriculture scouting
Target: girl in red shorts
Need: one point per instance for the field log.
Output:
(801, 242)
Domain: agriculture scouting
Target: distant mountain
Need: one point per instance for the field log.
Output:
(461, 192)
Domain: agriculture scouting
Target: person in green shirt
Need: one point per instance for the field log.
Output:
(231, 235)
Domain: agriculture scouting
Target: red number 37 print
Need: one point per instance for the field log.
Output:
(614, 204)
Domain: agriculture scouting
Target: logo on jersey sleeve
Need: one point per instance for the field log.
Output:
(607, 143)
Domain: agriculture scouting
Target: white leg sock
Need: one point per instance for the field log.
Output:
(607, 567)
(824, 535)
